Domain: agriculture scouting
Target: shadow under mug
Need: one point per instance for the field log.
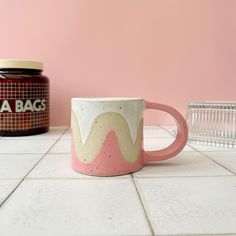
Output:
(107, 135)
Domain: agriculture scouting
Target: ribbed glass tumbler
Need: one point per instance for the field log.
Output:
(212, 123)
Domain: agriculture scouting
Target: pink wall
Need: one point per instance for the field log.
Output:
(171, 51)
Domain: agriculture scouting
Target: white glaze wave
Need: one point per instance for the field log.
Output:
(87, 111)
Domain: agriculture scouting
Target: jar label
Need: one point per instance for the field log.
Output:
(23, 105)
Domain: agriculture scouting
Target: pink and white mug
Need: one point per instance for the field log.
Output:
(107, 135)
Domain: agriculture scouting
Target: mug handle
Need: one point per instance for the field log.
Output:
(180, 140)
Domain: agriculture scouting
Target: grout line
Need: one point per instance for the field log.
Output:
(218, 163)
(118, 177)
(102, 178)
(177, 177)
(189, 144)
(216, 150)
(144, 209)
(58, 153)
(173, 135)
(20, 154)
(10, 194)
(168, 131)
(209, 158)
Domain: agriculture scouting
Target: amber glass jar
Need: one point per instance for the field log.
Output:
(24, 98)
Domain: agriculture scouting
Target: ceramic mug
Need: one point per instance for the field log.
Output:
(107, 135)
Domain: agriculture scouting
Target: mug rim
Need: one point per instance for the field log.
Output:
(105, 99)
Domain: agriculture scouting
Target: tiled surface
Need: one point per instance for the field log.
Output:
(6, 187)
(15, 166)
(25, 146)
(226, 159)
(153, 143)
(184, 164)
(57, 166)
(204, 205)
(67, 134)
(152, 131)
(170, 129)
(191, 194)
(62, 146)
(74, 207)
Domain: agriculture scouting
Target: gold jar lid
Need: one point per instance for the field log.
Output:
(20, 64)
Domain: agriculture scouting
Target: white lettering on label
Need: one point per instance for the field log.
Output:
(5, 106)
(37, 105)
(19, 105)
(28, 106)
(43, 105)
(23, 106)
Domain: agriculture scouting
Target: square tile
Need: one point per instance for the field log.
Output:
(58, 166)
(25, 146)
(13, 166)
(184, 164)
(102, 206)
(53, 133)
(227, 159)
(204, 205)
(155, 132)
(62, 146)
(6, 187)
(151, 144)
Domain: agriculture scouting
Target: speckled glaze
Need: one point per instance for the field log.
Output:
(109, 160)
(107, 135)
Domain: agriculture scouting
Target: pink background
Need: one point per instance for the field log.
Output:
(170, 51)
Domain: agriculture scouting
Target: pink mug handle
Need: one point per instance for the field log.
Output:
(180, 140)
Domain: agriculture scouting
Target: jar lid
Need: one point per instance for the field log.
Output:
(20, 64)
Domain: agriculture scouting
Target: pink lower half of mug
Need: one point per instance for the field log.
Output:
(108, 162)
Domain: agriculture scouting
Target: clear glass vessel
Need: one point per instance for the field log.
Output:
(212, 123)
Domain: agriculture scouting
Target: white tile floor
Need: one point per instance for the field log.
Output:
(191, 194)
